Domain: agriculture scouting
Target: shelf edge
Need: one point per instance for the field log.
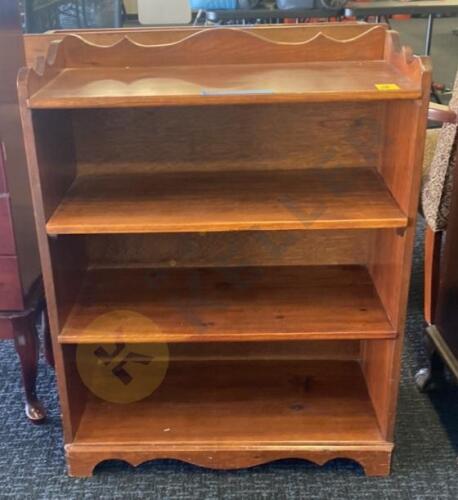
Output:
(69, 338)
(395, 223)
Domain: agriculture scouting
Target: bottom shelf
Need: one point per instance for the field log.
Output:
(233, 414)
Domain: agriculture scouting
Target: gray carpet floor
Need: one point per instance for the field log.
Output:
(425, 467)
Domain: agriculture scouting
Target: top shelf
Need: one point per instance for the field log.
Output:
(224, 84)
(223, 66)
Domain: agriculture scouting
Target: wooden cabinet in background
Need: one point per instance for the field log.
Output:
(249, 205)
(21, 291)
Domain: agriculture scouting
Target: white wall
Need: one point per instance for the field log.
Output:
(131, 6)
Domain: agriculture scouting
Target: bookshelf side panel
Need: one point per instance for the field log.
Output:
(391, 256)
(51, 166)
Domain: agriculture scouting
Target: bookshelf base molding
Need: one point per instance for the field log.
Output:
(235, 414)
(82, 459)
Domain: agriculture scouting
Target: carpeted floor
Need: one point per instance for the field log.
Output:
(425, 466)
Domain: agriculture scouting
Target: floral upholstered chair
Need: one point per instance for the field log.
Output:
(437, 183)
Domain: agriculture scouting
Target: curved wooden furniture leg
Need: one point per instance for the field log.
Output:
(26, 342)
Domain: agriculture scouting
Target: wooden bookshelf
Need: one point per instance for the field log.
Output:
(245, 199)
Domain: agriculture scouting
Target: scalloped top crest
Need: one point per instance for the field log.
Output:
(214, 46)
(222, 46)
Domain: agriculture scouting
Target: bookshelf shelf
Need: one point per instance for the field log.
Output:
(229, 304)
(227, 201)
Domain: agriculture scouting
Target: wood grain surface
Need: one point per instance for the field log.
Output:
(231, 304)
(225, 66)
(206, 138)
(226, 249)
(227, 84)
(226, 201)
(10, 284)
(206, 413)
(36, 45)
(275, 402)
(7, 244)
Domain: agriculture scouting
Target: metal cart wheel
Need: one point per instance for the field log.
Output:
(430, 378)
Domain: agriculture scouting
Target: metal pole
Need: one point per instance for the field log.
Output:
(29, 20)
(118, 14)
(429, 34)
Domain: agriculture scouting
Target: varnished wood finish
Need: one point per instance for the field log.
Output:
(218, 47)
(432, 254)
(202, 181)
(69, 261)
(400, 166)
(228, 138)
(19, 262)
(226, 201)
(374, 459)
(226, 66)
(379, 364)
(55, 152)
(21, 326)
(447, 310)
(26, 341)
(36, 45)
(300, 402)
(3, 188)
(6, 328)
(441, 113)
(44, 151)
(312, 350)
(228, 249)
(284, 408)
(13, 165)
(7, 245)
(82, 88)
(10, 284)
(231, 304)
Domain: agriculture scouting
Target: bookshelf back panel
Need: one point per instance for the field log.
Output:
(251, 248)
(228, 137)
(342, 350)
